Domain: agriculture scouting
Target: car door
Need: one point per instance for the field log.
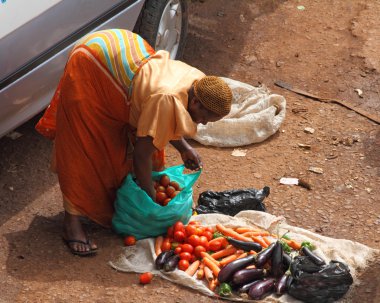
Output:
(35, 39)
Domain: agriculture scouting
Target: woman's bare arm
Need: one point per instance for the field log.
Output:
(142, 164)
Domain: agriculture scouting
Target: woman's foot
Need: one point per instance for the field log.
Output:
(75, 237)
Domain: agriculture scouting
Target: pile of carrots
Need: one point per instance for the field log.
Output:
(203, 251)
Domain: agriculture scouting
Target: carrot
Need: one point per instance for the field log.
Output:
(293, 244)
(239, 254)
(207, 256)
(201, 272)
(243, 255)
(157, 245)
(229, 250)
(260, 241)
(252, 252)
(212, 284)
(229, 259)
(214, 268)
(267, 240)
(231, 233)
(193, 268)
(208, 273)
(242, 230)
(255, 233)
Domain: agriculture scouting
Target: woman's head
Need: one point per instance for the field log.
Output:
(209, 100)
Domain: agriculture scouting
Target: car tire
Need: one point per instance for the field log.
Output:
(163, 24)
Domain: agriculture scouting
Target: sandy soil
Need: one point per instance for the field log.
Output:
(327, 49)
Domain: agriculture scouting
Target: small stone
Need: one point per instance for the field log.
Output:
(316, 170)
(309, 130)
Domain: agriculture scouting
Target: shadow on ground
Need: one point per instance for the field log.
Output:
(20, 182)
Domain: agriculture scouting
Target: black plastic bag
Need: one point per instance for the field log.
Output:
(231, 202)
(319, 284)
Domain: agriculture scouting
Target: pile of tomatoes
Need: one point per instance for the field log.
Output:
(165, 190)
(190, 241)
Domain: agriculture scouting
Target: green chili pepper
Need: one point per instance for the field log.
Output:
(225, 290)
(217, 234)
(286, 247)
(175, 245)
(308, 245)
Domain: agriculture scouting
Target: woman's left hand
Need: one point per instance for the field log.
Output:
(192, 159)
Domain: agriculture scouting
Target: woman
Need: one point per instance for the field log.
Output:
(116, 107)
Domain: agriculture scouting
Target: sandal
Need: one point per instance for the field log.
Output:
(90, 252)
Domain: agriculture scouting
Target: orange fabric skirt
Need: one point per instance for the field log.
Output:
(88, 120)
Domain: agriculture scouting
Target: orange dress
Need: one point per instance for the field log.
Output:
(94, 117)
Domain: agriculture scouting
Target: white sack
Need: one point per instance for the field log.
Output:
(252, 118)
(140, 258)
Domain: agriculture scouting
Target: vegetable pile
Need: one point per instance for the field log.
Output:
(242, 261)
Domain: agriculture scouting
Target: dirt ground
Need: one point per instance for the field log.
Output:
(329, 48)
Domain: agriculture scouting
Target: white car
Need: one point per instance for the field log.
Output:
(36, 37)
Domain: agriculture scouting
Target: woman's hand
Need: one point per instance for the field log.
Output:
(192, 159)
(189, 155)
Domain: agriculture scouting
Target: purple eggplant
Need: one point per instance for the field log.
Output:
(171, 263)
(264, 256)
(277, 267)
(162, 258)
(312, 256)
(245, 288)
(244, 245)
(244, 276)
(227, 272)
(286, 259)
(262, 288)
(281, 285)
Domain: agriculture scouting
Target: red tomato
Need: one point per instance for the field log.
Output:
(203, 242)
(185, 256)
(178, 226)
(187, 248)
(129, 240)
(207, 234)
(166, 245)
(179, 236)
(166, 202)
(146, 277)
(155, 184)
(190, 230)
(193, 240)
(170, 232)
(215, 245)
(209, 228)
(175, 185)
(161, 197)
(164, 180)
(224, 242)
(174, 194)
(178, 250)
(197, 251)
(170, 190)
(183, 264)
(193, 258)
(160, 188)
(199, 230)
(194, 223)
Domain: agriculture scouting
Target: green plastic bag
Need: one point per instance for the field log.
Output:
(138, 215)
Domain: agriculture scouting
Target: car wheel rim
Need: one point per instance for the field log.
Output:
(169, 29)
